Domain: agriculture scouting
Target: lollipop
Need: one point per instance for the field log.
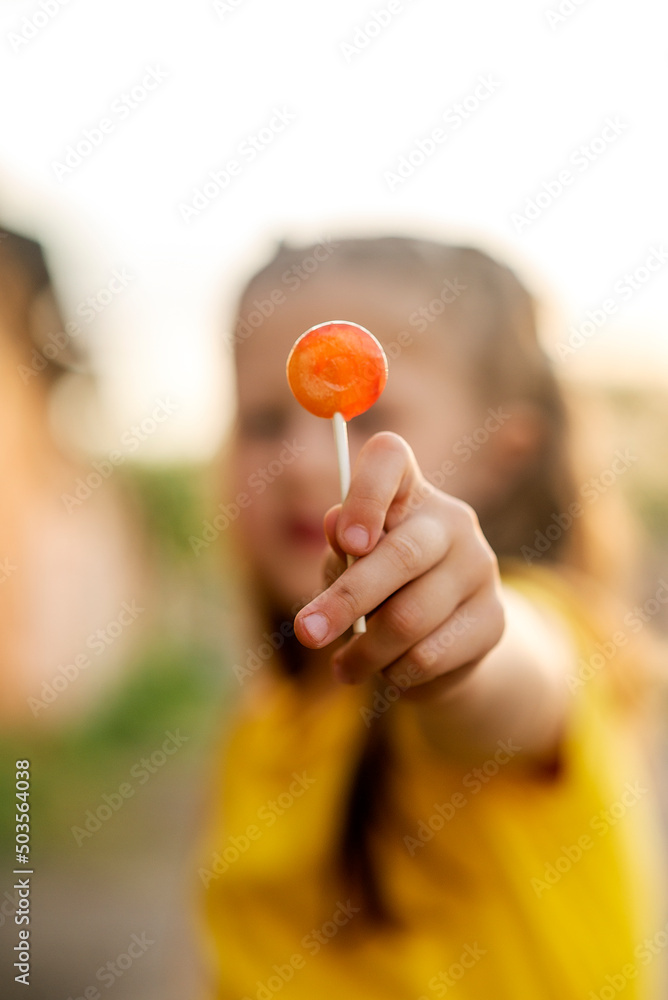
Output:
(338, 370)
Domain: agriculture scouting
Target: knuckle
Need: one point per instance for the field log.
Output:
(422, 494)
(464, 513)
(436, 646)
(423, 657)
(486, 559)
(405, 551)
(403, 618)
(346, 597)
(435, 531)
(370, 503)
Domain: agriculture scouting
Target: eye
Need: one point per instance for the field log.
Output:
(264, 423)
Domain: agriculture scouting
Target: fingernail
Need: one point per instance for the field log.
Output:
(356, 536)
(316, 625)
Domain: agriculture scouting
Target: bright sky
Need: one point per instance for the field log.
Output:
(310, 113)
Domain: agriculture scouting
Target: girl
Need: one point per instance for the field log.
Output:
(449, 804)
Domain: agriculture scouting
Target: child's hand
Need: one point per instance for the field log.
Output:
(427, 569)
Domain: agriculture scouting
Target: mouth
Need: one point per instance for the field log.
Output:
(305, 533)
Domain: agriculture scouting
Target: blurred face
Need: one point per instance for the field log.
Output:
(284, 458)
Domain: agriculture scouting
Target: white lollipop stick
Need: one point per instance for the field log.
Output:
(343, 458)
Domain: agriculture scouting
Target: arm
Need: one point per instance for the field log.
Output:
(440, 616)
(516, 691)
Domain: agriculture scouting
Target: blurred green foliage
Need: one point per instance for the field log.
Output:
(172, 501)
(640, 415)
(171, 688)
(177, 681)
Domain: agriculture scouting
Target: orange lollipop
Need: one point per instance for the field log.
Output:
(337, 367)
(338, 370)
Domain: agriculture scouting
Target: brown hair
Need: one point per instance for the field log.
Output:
(494, 324)
(30, 308)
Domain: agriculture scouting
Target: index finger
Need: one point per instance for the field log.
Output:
(403, 554)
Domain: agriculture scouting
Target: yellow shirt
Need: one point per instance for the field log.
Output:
(509, 885)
